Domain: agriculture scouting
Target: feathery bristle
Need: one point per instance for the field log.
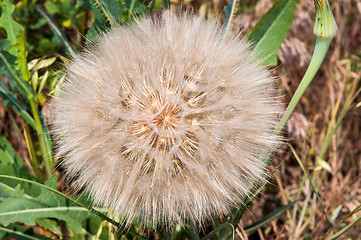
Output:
(167, 122)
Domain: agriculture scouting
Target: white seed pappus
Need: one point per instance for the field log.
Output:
(166, 121)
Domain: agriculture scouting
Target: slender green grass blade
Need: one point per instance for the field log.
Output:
(309, 179)
(193, 232)
(104, 9)
(131, 7)
(249, 200)
(20, 86)
(215, 231)
(269, 217)
(357, 209)
(10, 99)
(56, 30)
(345, 229)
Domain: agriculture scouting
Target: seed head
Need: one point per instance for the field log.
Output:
(166, 121)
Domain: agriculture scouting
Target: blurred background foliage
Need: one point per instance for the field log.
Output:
(315, 191)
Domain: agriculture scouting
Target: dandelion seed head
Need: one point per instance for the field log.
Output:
(166, 121)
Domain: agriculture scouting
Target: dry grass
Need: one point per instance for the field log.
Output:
(332, 90)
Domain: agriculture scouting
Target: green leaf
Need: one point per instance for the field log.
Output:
(37, 64)
(22, 63)
(51, 7)
(68, 200)
(7, 63)
(269, 217)
(10, 99)
(269, 33)
(21, 235)
(56, 30)
(8, 156)
(100, 24)
(8, 183)
(154, 5)
(47, 138)
(109, 9)
(229, 11)
(166, 4)
(48, 224)
(11, 27)
(20, 207)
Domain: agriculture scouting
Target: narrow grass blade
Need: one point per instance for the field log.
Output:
(10, 99)
(193, 232)
(345, 229)
(357, 209)
(103, 7)
(249, 200)
(269, 218)
(215, 231)
(309, 179)
(22, 86)
(56, 30)
(331, 132)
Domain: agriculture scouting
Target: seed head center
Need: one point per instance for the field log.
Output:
(168, 117)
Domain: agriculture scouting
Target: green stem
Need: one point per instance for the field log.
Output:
(45, 151)
(130, 10)
(101, 4)
(33, 159)
(319, 53)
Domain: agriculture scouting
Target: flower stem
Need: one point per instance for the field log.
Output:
(317, 58)
(325, 30)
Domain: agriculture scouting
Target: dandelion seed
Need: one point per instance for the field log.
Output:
(166, 122)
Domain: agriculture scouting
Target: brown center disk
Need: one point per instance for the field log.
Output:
(168, 118)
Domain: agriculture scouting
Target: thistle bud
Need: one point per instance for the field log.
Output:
(325, 24)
